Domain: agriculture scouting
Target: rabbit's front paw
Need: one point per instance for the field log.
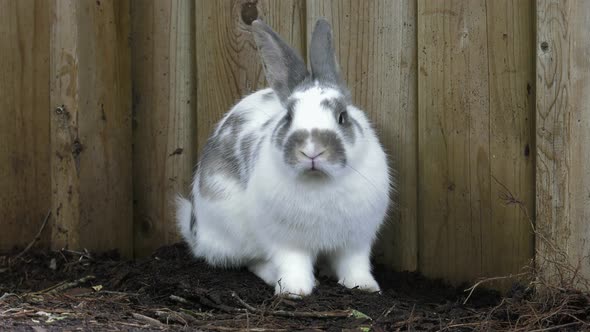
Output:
(364, 282)
(295, 286)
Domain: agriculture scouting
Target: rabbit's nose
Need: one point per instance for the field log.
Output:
(312, 155)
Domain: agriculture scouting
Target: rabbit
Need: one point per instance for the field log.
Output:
(291, 175)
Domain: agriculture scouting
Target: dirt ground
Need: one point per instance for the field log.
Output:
(64, 290)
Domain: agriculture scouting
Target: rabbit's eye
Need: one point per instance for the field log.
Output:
(342, 118)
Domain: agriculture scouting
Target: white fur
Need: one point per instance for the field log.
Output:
(280, 223)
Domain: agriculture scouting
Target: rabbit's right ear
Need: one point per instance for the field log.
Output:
(283, 67)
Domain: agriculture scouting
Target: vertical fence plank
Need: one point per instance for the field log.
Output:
(228, 67)
(376, 47)
(454, 166)
(91, 133)
(474, 126)
(562, 134)
(164, 146)
(508, 241)
(24, 122)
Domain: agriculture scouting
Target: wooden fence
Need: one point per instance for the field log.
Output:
(104, 106)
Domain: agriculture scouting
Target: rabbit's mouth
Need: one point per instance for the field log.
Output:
(314, 174)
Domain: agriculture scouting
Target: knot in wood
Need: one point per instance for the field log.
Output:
(249, 12)
(77, 147)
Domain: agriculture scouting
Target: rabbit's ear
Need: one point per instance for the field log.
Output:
(283, 67)
(324, 67)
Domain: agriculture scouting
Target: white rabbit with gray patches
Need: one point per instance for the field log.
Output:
(291, 175)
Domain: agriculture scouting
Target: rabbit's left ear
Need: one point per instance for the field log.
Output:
(324, 67)
(283, 67)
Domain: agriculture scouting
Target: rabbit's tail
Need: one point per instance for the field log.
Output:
(186, 220)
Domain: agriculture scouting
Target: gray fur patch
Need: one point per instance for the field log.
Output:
(257, 150)
(357, 125)
(295, 142)
(278, 135)
(226, 156)
(267, 123)
(338, 107)
(193, 217)
(280, 131)
(269, 96)
(247, 153)
(193, 221)
(232, 124)
(335, 152)
(219, 158)
(290, 105)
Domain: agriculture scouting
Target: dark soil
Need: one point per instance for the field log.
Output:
(115, 295)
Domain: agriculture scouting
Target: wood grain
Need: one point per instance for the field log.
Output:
(562, 134)
(375, 43)
(164, 116)
(474, 125)
(91, 133)
(449, 85)
(453, 137)
(24, 121)
(228, 67)
(508, 241)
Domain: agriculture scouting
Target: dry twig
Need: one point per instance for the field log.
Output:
(7, 295)
(553, 328)
(477, 284)
(252, 329)
(179, 317)
(68, 285)
(36, 238)
(179, 299)
(284, 313)
(147, 319)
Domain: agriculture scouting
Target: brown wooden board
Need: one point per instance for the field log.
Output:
(475, 114)
(164, 117)
(24, 121)
(563, 137)
(91, 125)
